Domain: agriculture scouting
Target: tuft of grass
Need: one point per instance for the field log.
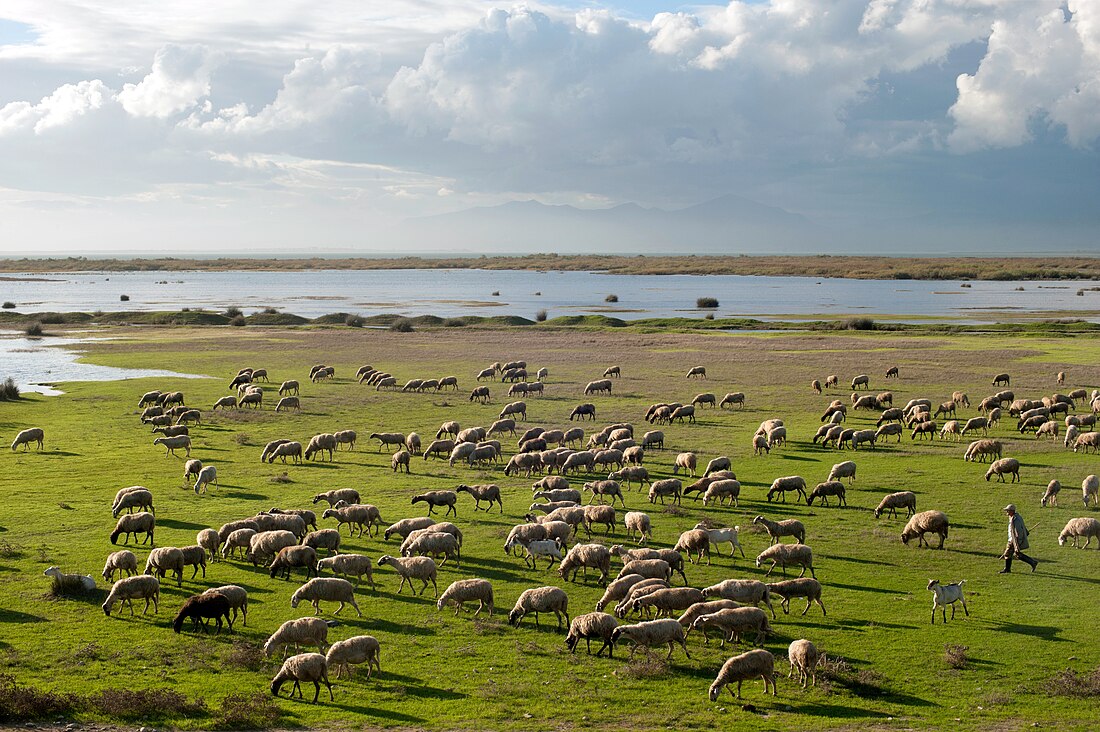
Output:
(650, 666)
(238, 321)
(540, 316)
(611, 298)
(8, 305)
(33, 329)
(282, 478)
(242, 438)
(402, 325)
(9, 390)
(245, 655)
(706, 302)
(1073, 684)
(354, 321)
(955, 655)
(247, 711)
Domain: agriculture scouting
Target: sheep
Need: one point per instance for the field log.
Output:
(862, 380)
(323, 539)
(121, 561)
(681, 412)
(946, 409)
(560, 496)
(1050, 497)
(287, 449)
(598, 514)
(651, 633)
(697, 372)
(789, 483)
(1002, 466)
(583, 410)
(135, 523)
(778, 529)
(278, 521)
(1090, 487)
(666, 601)
(130, 498)
(636, 592)
(238, 539)
(347, 565)
(894, 501)
(583, 556)
(804, 656)
(944, 595)
(319, 445)
(333, 589)
(288, 387)
(784, 554)
(722, 536)
(732, 398)
(685, 461)
(926, 522)
(630, 474)
(846, 469)
(191, 415)
(694, 541)
(806, 587)
(596, 387)
(357, 649)
(480, 394)
(445, 381)
(488, 373)
(438, 498)
(638, 523)
(400, 459)
(523, 534)
(1001, 379)
(63, 584)
(462, 591)
(26, 437)
(265, 544)
(405, 527)
(519, 408)
(434, 543)
(347, 495)
(383, 381)
(150, 397)
(251, 398)
(202, 607)
(976, 423)
(601, 488)
(303, 667)
(733, 623)
(548, 548)
(1087, 440)
(164, 559)
(923, 428)
(410, 568)
(980, 449)
(541, 600)
(1078, 527)
(128, 589)
(299, 632)
(951, 427)
(699, 609)
(826, 489)
(171, 444)
(647, 568)
(268, 449)
(194, 556)
(172, 431)
(618, 589)
(592, 625)
(237, 597)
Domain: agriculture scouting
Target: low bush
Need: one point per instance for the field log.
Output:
(1074, 684)
(33, 329)
(233, 312)
(955, 655)
(540, 316)
(247, 711)
(8, 305)
(706, 302)
(611, 298)
(402, 325)
(238, 321)
(354, 321)
(9, 390)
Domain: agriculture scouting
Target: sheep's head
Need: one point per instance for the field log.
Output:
(932, 584)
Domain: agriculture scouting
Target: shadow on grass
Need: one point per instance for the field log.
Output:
(1046, 632)
(839, 711)
(16, 617)
(861, 561)
(876, 623)
(176, 524)
(374, 712)
(863, 588)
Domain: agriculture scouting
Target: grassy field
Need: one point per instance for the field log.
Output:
(888, 665)
(857, 267)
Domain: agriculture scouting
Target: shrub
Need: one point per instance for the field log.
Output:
(246, 655)
(247, 711)
(238, 320)
(33, 329)
(52, 319)
(402, 325)
(1074, 684)
(955, 655)
(233, 312)
(706, 302)
(611, 298)
(26, 702)
(270, 311)
(859, 324)
(496, 293)
(540, 316)
(8, 305)
(354, 321)
(242, 438)
(709, 316)
(281, 478)
(454, 323)
(124, 298)
(9, 390)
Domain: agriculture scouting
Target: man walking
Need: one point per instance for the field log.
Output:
(1017, 540)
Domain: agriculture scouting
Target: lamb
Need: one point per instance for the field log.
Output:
(469, 590)
(1050, 498)
(784, 554)
(944, 595)
(926, 522)
(163, 560)
(64, 584)
(826, 489)
(666, 601)
(894, 501)
(722, 536)
(171, 444)
(583, 556)
(734, 623)
(298, 632)
(541, 600)
(685, 461)
(357, 649)
(638, 523)
(303, 667)
(410, 568)
(438, 498)
(128, 589)
(1078, 527)
(1090, 487)
(803, 587)
(651, 633)
(26, 437)
(238, 539)
(1002, 466)
(790, 483)
(598, 514)
(434, 543)
(592, 625)
(745, 667)
(803, 656)
(333, 589)
(122, 561)
(135, 523)
(130, 498)
(846, 469)
(202, 607)
(787, 527)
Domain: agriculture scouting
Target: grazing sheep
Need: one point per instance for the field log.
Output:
(290, 557)
(826, 489)
(268, 449)
(665, 601)
(226, 402)
(894, 501)
(846, 469)
(438, 498)
(519, 408)
(685, 461)
(405, 527)
(598, 514)
(694, 541)
(128, 589)
(208, 475)
(784, 554)
(733, 623)
(583, 410)
(347, 495)
(333, 589)
(583, 556)
(804, 656)
(462, 591)
(289, 449)
(303, 667)
(1087, 440)
(299, 632)
(1078, 527)
(980, 449)
(944, 595)
(1002, 466)
(410, 568)
(135, 523)
(802, 587)
(618, 589)
(596, 387)
(238, 539)
(400, 459)
(163, 560)
(790, 483)
(926, 522)
(434, 543)
(194, 556)
(630, 474)
(265, 545)
(323, 539)
(736, 397)
(699, 372)
(130, 498)
(122, 561)
(778, 529)
(348, 565)
(862, 380)
(638, 523)
(1090, 488)
(480, 394)
(171, 444)
(647, 568)
(26, 437)
(202, 607)
(592, 625)
(541, 600)
(722, 536)
(651, 633)
(745, 667)
(1050, 497)
(288, 387)
(816, 386)
(601, 488)
(357, 649)
(319, 445)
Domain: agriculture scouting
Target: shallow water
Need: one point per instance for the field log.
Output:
(37, 364)
(450, 293)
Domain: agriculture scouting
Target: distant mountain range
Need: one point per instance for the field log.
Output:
(729, 224)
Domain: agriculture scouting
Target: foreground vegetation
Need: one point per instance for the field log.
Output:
(1023, 657)
(854, 267)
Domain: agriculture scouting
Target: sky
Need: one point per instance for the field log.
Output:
(241, 127)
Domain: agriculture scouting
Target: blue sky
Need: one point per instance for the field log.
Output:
(890, 125)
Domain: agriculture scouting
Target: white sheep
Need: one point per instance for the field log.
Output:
(237, 596)
(323, 539)
(163, 560)
(130, 498)
(734, 623)
(128, 589)
(357, 649)
(541, 600)
(779, 529)
(1090, 488)
(26, 437)
(332, 589)
(583, 556)
(63, 584)
(618, 589)
(238, 539)
(410, 568)
(122, 561)
(746, 592)
(432, 543)
(592, 625)
(944, 595)
(208, 475)
(894, 501)
(303, 667)
(1078, 527)
(806, 587)
(926, 522)
(846, 469)
(468, 590)
(649, 633)
(349, 565)
(209, 540)
(638, 523)
(298, 632)
(803, 656)
(754, 664)
(784, 554)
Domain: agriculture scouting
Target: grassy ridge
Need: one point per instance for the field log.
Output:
(855, 267)
(444, 672)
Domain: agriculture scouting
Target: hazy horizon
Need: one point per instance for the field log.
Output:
(893, 127)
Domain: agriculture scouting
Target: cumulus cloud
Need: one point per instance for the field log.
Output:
(65, 104)
(179, 79)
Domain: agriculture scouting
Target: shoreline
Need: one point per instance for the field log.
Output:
(1068, 268)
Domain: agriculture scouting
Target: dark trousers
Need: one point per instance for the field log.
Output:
(1010, 553)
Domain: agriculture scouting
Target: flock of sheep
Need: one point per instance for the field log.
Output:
(642, 593)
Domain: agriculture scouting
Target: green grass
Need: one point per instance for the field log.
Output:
(442, 672)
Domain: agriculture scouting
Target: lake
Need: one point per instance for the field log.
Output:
(451, 293)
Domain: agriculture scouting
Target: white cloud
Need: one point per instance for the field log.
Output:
(65, 104)
(179, 79)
